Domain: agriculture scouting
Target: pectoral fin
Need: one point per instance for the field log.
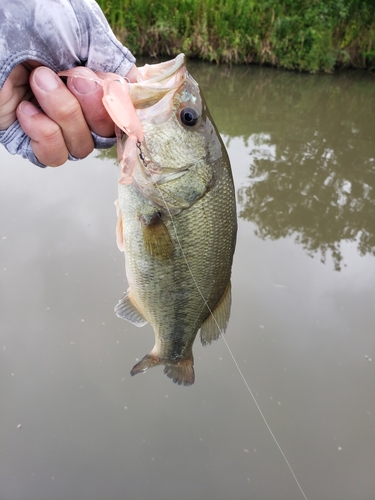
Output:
(125, 309)
(156, 237)
(216, 323)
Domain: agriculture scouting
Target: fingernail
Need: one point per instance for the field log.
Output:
(28, 109)
(46, 79)
(84, 85)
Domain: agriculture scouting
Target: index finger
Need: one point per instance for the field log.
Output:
(63, 108)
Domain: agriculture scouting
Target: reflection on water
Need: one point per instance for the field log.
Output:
(75, 426)
(312, 162)
(311, 147)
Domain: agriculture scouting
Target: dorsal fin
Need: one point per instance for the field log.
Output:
(216, 323)
(125, 309)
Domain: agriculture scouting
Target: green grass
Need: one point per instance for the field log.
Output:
(304, 35)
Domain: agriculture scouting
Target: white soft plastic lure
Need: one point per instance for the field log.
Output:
(119, 106)
(120, 98)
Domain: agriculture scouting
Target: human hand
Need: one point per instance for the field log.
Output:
(62, 36)
(62, 123)
(60, 118)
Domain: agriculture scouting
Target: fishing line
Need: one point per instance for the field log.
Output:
(264, 419)
(142, 158)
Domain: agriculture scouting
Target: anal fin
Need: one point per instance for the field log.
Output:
(125, 309)
(216, 323)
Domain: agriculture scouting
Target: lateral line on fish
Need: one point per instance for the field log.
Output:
(227, 345)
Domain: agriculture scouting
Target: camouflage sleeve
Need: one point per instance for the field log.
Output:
(59, 34)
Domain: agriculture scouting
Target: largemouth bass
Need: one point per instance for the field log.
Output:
(176, 214)
(177, 221)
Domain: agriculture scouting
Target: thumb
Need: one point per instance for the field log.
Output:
(89, 94)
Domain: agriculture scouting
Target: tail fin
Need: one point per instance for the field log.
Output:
(149, 361)
(181, 372)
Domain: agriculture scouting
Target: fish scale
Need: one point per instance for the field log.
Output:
(178, 229)
(176, 211)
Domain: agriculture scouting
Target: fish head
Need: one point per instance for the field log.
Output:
(179, 134)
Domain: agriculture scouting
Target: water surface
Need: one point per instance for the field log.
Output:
(75, 426)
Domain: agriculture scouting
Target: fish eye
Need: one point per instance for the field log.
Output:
(189, 116)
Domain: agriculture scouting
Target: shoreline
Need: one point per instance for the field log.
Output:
(313, 37)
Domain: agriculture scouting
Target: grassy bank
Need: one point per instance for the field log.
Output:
(304, 35)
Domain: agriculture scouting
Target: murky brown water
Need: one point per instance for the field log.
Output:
(75, 426)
